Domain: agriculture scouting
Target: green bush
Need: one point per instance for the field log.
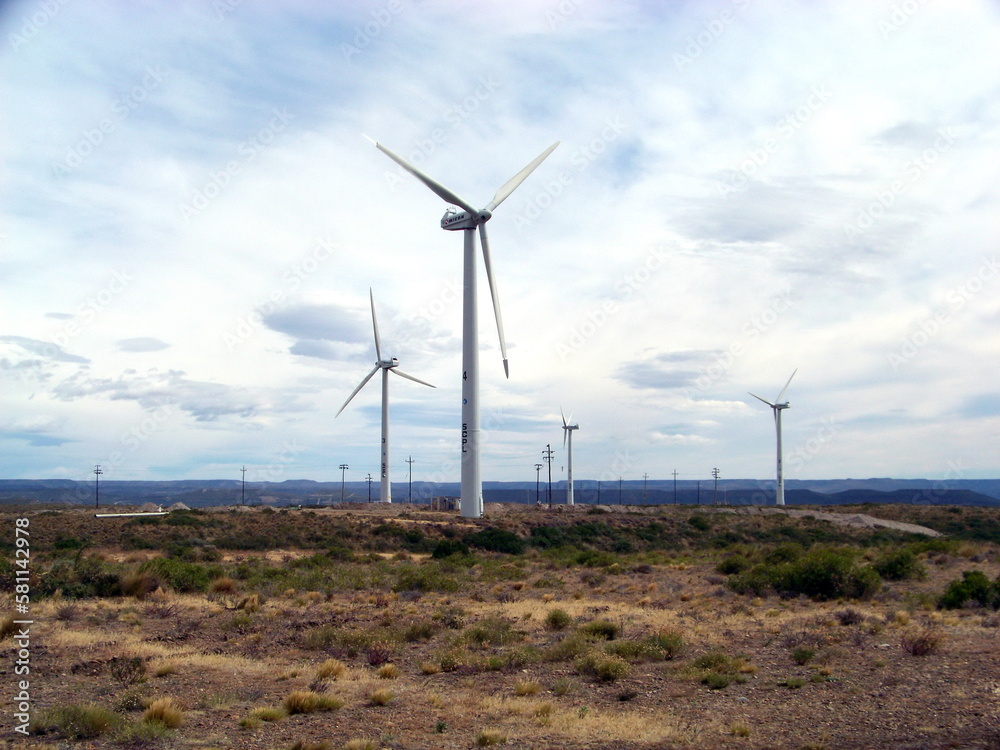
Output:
(899, 565)
(497, 540)
(974, 586)
(822, 573)
(557, 619)
(600, 630)
(182, 576)
(447, 548)
(84, 578)
(605, 667)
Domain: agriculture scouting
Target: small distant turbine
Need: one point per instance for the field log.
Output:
(386, 366)
(568, 437)
(777, 406)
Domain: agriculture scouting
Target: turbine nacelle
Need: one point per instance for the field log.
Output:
(454, 219)
(387, 364)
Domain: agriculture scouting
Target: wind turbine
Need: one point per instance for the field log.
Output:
(468, 219)
(568, 435)
(386, 366)
(777, 406)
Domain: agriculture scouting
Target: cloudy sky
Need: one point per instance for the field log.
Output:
(190, 221)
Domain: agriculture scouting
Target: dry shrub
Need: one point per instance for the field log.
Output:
(128, 670)
(163, 711)
(7, 627)
(250, 603)
(223, 585)
(139, 585)
(388, 672)
(922, 642)
(359, 744)
(430, 667)
(381, 697)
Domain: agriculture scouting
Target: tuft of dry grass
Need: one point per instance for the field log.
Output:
(309, 701)
(331, 669)
(381, 697)
(527, 687)
(490, 737)
(360, 744)
(389, 672)
(163, 711)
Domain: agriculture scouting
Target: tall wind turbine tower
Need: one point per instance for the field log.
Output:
(468, 220)
(568, 439)
(777, 406)
(386, 366)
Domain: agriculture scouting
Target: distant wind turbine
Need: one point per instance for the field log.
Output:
(468, 220)
(386, 366)
(568, 436)
(777, 406)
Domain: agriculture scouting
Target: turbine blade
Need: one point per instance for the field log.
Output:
(565, 433)
(778, 399)
(355, 393)
(761, 399)
(378, 343)
(437, 187)
(563, 415)
(410, 377)
(511, 185)
(495, 295)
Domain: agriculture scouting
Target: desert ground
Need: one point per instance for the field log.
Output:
(371, 626)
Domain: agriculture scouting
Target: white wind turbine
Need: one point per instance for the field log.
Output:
(386, 366)
(568, 436)
(468, 220)
(777, 406)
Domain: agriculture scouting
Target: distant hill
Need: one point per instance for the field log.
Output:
(201, 493)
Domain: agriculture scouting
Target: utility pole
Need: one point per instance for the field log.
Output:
(343, 469)
(644, 478)
(547, 456)
(243, 488)
(538, 473)
(409, 460)
(715, 492)
(97, 486)
(369, 478)
(675, 486)
(619, 490)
